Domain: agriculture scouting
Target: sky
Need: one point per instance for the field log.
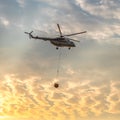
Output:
(89, 74)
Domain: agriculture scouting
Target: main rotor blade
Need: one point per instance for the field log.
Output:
(59, 30)
(76, 33)
(31, 32)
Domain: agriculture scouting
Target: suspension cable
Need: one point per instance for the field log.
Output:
(58, 64)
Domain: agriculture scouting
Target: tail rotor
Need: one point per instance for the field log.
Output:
(30, 34)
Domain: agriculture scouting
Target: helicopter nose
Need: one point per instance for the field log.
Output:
(73, 45)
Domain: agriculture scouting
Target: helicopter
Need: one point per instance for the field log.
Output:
(61, 41)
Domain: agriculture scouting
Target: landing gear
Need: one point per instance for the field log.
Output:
(56, 48)
(69, 48)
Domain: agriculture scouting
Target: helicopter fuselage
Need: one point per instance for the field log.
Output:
(62, 42)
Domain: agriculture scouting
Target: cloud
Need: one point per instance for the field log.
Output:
(4, 21)
(21, 3)
(103, 15)
(89, 74)
(96, 95)
(103, 8)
